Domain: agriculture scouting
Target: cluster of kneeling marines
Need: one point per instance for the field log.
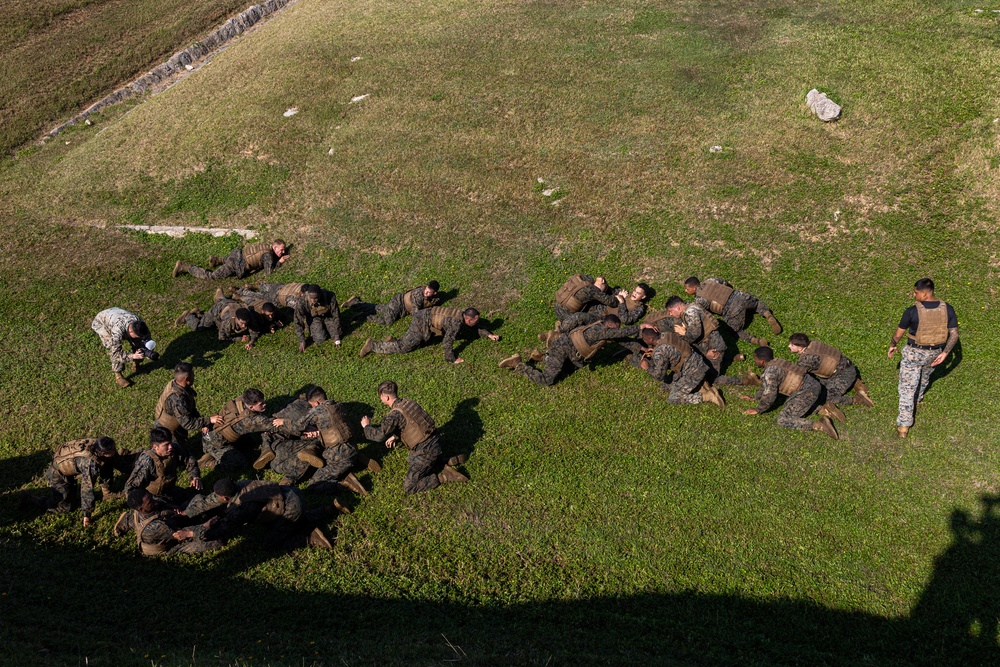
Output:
(313, 440)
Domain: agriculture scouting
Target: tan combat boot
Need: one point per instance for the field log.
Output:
(311, 455)
(449, 474)
(215, 262)
(370, 464)
(511, 361)
(121, 381)
(366, 348)
(739, 357)
(775, 327)
(458, 459)
(179, 268)
(388, 339)
(710, 394)
(536, 355)
(751, 380)
(902, 431)
(861, 396)
(219, 295)
(319, 540)
(353, 301)
(759, 342)
(354, 484)
(206, 462)
(824, 425)
(832, 411)
(266, 456)
(339, 507)
(121, 526)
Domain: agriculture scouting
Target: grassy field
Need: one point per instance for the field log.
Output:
(59, 56)
(601, 525)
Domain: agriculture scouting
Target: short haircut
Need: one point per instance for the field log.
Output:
(268, 308)
(692, 282)
(183, 368)
(924, 285)
(311, 289)
(134, 497)
(252, 396)
(388, 388)
(763, 353)
(673, 301)
(140, 329)
(316, 392)
(160, 434)
(224, 487)
(799, 339)
(470, 313)
(278, 242)
(434, 285)
(611, 320)
(105, 445)
(647, 290)
(649, 335)
(243, 314)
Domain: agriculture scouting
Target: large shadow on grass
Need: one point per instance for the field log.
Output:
(199, 348)
(212, 608)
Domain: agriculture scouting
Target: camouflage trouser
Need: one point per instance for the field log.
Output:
(387, 313)
(561, 312)
(713, 342)
(227, 457)
(735, 314)
(413, 338)
(195, 545)
(119, 357)
(426, 460)
(324, 328)
(234, 266)
(583, 318)
(62, 488)
(684, 387)
(914, 375)
(339, 461)
(797, 406)
(286, 461)
(560, 351)
(839, 384)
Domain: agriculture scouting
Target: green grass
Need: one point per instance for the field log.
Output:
(602, 525)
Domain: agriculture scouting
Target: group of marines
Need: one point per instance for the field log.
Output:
(313, 439)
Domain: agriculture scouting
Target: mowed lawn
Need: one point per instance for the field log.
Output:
(601, 525)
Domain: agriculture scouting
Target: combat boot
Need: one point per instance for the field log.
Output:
(108, 494)
(751, 380)
(61, 508)
(319, 540)
(122, 525)
(458, 459)
(511, 361)
(219, 295)
(366, 348)
(824, 425)
(710, 394)
(449, 474)
(902, 431)
(206, 462)
(266, 456)
(350, 303)
(739, 357)
(354, 484)
(388, 339)
(215, 262)
(311, 456)
(832, 411)
(536, 355)
(179, 268)
(861, 396)
(772, 320)
(370, 464)
(182, 318)
(339, 507)
(759, 342)
(121, 381)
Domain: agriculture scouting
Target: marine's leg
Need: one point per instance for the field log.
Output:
(684, 389)
(410, 341)
(793, 413)
(910, 370)
(425, 462)
(62, 489)
(839, 384)
(339, 461)
(286, 461)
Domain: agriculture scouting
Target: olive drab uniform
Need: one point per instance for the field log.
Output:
(791, 380)
(832, 368)
(416, 429)
(629, 311)
(735, 307)
(286, 444)
(154, 534)
(158, 474)
(577, 347)
(673, 354)
(929, 326)
(339, 450)
(241, 262)
(577, 292)
(427, 323)
(282, 295)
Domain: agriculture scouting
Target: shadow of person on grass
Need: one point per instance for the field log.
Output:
(199, 348)
(460, 434)
(947, 366)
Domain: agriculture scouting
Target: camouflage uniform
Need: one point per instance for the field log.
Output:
(797, 406)
(420, 332)
(734, 311)
(388, 313)
(144, 474)
(425, 460)
(694, 334)
(586, 295)
(227, 327)
(89, 468)
(837, 384)
(160, 533)
(181, 406)
(235, 265)
(227, 456)
(685, 384)
(597, 312)
(278, 507)
(284, 441)
(203, 506)
(111, 326)
(562, 350)
(322, 321)
(915, 368)
(339, 458)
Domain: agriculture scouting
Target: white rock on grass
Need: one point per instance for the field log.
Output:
(355, 59)
(715, 149)
(548, 193)
(181, 231)
(358, 98)
(291, 111)
(825, 109)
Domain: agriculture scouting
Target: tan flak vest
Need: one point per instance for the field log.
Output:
(339, 430)
(932, 325)
(439, 314)
(716, 293)
(586, 350)
(408, 301)
(419, 425)
(829, 358)
(287, 292)
(793, 376)
(270, 493)
(63, 459)
(166, 473)
(630, 304)
(673, 340)
(160, 414)
(656, 317)
(254, 253)
(229, 312)
(140, 525)
(566, 296)
(708, 321)
(233, 413)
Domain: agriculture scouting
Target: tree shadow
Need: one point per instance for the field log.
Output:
(460, 434)
(199, 348)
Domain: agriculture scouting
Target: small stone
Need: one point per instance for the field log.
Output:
(545, 193)
(290, 112)
(87, 122)
(188, 68)
(330, 152)
(825, 109)
(355, 59)
(715, 149)
(358, 98)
